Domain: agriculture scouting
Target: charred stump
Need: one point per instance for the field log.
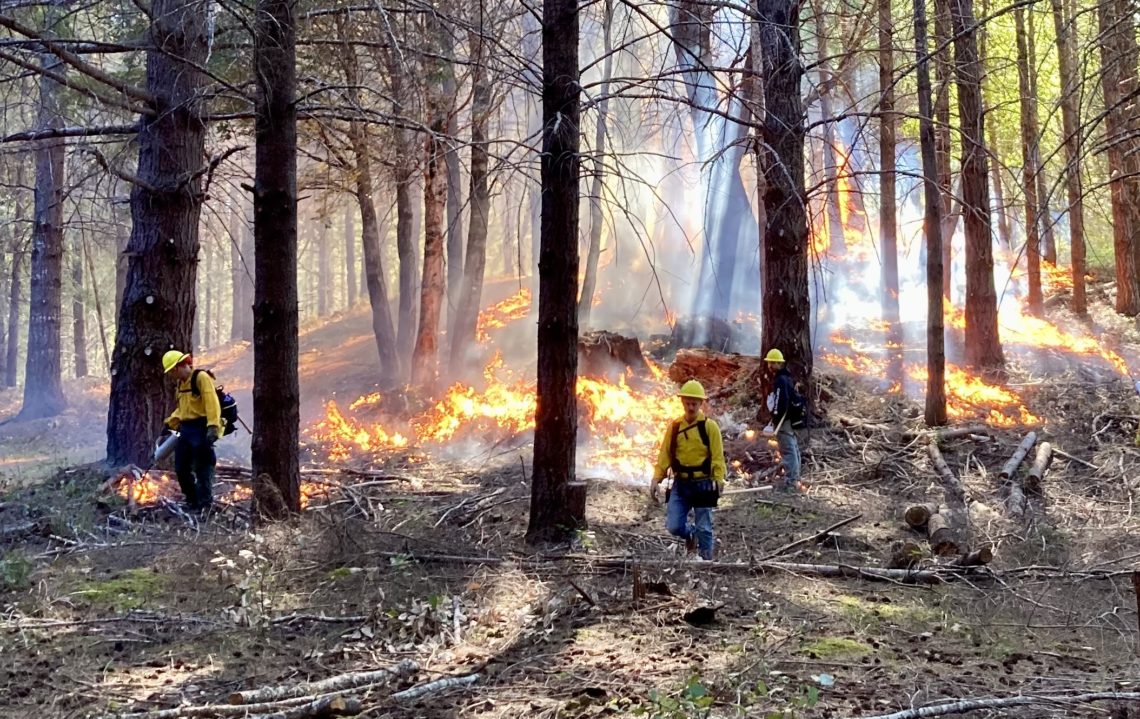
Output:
(610, 355)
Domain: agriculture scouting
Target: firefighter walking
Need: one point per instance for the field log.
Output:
(198, 421)
(786, 408)
(693, 451)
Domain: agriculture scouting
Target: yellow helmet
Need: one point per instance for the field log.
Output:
(693, 389)
(172, 359)
(774, 355)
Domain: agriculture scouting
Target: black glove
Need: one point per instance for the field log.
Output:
(211, 434)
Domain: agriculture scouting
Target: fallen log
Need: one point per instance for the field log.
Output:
(306, 707)
(1040, 466)
(1019, 456)
(917, 515)
(951, 485)
(316, 709)
(324, 686)
(941, 536)
(977, 558)
(961, 706)
(11, 531)
(1015, 503)
(432, 687)
(943, 433)
(905, 556)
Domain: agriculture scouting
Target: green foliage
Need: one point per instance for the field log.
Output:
(15, 571)
(694, 700)
(834, 647)
(130, 590)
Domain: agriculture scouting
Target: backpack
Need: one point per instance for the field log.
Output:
(229, 404)
(679, 469)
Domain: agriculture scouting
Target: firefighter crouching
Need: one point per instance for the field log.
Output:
(198, 420)
(693, 449)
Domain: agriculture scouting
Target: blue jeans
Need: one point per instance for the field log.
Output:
(194, 461)
(677, 519)
(789, 446)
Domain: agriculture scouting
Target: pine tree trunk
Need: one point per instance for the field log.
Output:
(1045, 213)
(247, 279)
(1030, 162)
(1119, 58)
(158, 305)
(1070, 124)
(206, 285)
(406, 252)
(122, 239)
(1000, 211)
(784, 270)
(43, 389)
(983, 346)
(99, 316)
(78, 310)
(597, 180)
(454, 198)
(935, 414)
(276, 386)
(324, 279)
(471, 298)
(944, 145)
(888, 220)
(350, 255)
(832, 215)
(552, 514)
(237, 272)
(425, 357)
(7, 256)
(15, 285)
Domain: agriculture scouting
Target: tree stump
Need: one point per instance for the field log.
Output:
(713, 369)
(575, 496)
(610, 355)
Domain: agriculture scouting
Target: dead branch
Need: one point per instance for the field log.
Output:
(1040, 466)
(433, 687)
(940, 434)
(316, 709)
(1019, 456)
(955, 493)
(306, 707)
(1078, 460)
(341, 682)
(962, 706)
(809, 540)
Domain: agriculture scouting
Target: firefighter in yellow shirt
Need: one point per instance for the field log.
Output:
(198, 421)
(693, 449)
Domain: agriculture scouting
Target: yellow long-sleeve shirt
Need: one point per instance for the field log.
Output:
(691, 451)
(193, 405)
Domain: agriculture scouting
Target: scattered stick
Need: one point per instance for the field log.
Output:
(583, 592)
(332, 684)
(317, 709)
(747, 490)
(295, 708)
(433, 687)
(809, 540)
(943, 433)
(1019, 456)
(918, 515)
(295, 617)
(1078, 460)
(968, 705)
(1040, 466)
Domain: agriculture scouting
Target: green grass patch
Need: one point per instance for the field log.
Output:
(15, 572)
(834, 648)
(866, 614)
(132, 589)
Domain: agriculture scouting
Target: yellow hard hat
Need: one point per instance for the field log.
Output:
(774, 355)
(172, 359)
(693, 389)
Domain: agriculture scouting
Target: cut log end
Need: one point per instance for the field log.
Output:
(917, 516)
(941, 536)
(977, 558)
(905, 555)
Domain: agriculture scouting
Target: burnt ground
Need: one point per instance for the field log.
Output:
(106, 612)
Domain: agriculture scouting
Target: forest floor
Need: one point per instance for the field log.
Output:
(105, 612)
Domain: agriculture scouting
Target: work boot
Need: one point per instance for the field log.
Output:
(691, 544)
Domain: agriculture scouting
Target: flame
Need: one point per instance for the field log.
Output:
(343, 435)
(149, 489)
(500, 314)
(1056, 278)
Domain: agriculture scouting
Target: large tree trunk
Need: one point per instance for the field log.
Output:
(122, 240)
(43, 389)
(324, 274)
(943, 141)
(935, 414)
(350, 255)
(276, 386)
(784, 271)
(983, 346)
(471, 297)
(239, 304)
(15, 286)
(250, 264)
(1030, 161)
(597, 180)
(831, 213)
(406, 251)
(1045, 211)
(1070, 125)
(454, 199)
(888, 220)
(158, 303)
(425, 357)
(552, 513)
(78, 310)
(1119, 56)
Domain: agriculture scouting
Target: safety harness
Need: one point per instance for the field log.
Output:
(681, 471)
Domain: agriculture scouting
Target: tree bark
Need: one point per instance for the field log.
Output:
(158, 302)
(454, 197)
(276, 386)
(15, 285)
(249, 262)
(78, 310)
(350, 255)
(556, 415)
(784, 270)
(597, 180)
(943, 142)
(324, 274)
(1070, 124)
(1030, 160)
(888, 213)
(935, 413)
(1119, 58)
(474, 267)
(425, 357)
(832, 215)
(43, 388)
(983, 346)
